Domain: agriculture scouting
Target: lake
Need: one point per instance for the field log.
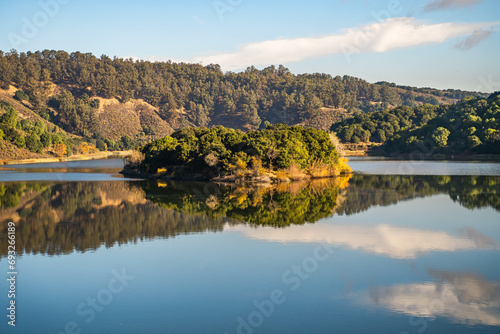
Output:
(398, 247)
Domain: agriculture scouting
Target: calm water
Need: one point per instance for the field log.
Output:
(413, 253)
(376, 165)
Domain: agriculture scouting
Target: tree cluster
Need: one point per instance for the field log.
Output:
(472, 125)
(380, 126)
(25, 134)
(221, 149)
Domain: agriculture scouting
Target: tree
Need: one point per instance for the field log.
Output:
(60, 150)
(33, 143)
(128, 142)
(101, 145)
(86, 148)
(440, 136)
(46, 139)
(21, 142)
(9, 119)
(473, 141)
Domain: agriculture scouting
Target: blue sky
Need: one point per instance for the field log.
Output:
(430, 43)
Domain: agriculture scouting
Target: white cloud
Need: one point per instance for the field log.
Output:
(391, 241)
(386, 35)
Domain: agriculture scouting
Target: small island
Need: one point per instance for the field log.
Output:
(278, 153)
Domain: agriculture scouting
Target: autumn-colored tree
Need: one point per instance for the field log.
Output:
(86, 148)
(61, 150)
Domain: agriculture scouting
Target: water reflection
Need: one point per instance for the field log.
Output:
(57, 218)
(466, 298)
(279, 205)
(61, 218)
(390, 241)
(471, 192)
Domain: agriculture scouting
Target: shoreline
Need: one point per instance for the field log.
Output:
(423, 157)
(76, 157)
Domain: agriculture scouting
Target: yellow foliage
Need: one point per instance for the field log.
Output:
(161, 170)
(162, 184)
(343, 166)
(256, 163)
(86, 148)
(242, 198)
(61, 150)
(240, 164)
(344, 181)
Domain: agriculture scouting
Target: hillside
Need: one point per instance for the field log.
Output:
(122, 102)
(471, 126)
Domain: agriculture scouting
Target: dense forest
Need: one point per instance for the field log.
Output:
(471, 125)
(58, 218)
(116, 103)
(278, 152)
(62, 87)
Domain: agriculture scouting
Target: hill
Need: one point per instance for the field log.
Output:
(471, 126)
(122, 102)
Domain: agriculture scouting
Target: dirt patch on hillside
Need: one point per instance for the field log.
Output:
(115, 120)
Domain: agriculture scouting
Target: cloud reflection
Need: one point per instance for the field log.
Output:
(391, 241)
(463, 297)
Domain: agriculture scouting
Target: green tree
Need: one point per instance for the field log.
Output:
(21, 142)
(440, 136)
(46, 139)
(33, 143)
(473, 141)
(9, 119)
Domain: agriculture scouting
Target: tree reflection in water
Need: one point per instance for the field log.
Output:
(59, 218)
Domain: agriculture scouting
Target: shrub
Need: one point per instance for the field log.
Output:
(21, 95)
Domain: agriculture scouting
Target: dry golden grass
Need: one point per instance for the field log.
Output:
(319, 169)
(295, 173)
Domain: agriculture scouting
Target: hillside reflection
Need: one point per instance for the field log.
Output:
(59, 218)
